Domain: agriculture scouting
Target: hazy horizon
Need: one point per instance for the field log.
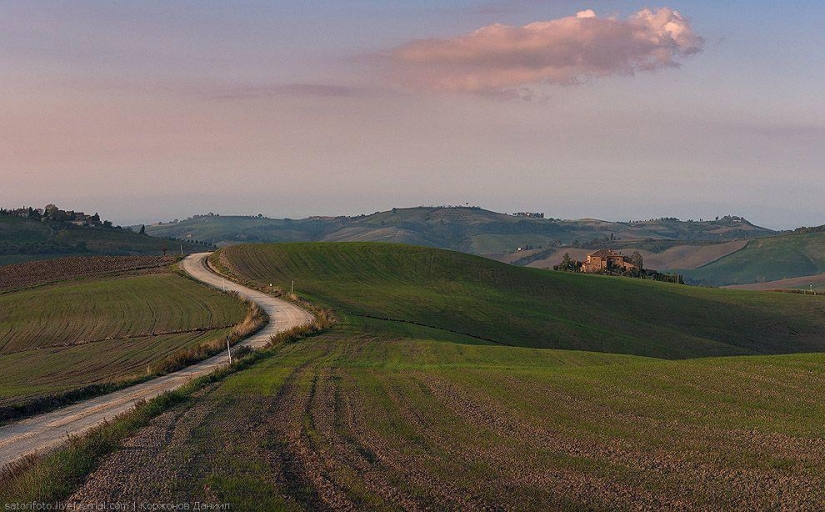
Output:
(150, 111)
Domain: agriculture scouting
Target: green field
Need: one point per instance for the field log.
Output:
(443, 386)
(376, 414)
(528, 307)
(766, 259)
(63, 336)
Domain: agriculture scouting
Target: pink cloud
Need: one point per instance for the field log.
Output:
(567, 50)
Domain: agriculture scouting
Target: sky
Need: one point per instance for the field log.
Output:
(620, 110)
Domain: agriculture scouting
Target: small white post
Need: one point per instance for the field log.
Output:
(228, 351)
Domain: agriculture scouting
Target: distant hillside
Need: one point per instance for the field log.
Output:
(467, 229)
(767, 259)
(24, 239)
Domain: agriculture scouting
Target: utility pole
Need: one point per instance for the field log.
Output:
(228, 351)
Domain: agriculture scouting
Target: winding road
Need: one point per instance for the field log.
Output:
(46, 431)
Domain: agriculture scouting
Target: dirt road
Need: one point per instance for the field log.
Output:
(46, 431)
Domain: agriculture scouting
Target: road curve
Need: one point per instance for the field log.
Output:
(46, 431)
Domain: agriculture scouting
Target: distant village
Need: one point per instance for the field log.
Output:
(54, 214)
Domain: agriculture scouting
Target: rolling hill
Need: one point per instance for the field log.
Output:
(517, 306)
(774, 258)
(24, 239)
(467, 229)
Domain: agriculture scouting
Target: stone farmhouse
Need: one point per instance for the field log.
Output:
(604, 259)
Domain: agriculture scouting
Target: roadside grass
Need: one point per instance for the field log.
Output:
(372, 415)
(64, 341)
(52, 477)
(529, 307)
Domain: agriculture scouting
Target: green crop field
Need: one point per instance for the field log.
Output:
(62, 336)
(442, 387)
(538, 308)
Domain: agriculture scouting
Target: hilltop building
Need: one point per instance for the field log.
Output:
(605, 259)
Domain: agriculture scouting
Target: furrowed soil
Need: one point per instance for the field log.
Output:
(24, 275)
(367, 417)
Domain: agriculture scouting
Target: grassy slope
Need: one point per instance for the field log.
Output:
(67, 335)
(766, 259)
(527, 307)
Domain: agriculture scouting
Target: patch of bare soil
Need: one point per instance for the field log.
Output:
(35, 273)
(152, 464)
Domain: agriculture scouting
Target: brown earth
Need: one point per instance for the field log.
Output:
(35, 273)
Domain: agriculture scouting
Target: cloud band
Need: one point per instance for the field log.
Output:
(567, 50)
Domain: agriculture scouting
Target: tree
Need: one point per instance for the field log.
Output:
(50, 211)
(567, 264)
(637, 260)
(142, 229)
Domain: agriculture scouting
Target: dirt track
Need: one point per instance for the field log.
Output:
(46, 431)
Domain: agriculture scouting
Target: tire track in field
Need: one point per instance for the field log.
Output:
(295, 465)
(349, 462)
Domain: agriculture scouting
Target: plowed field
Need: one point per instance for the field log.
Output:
(365, 418)
(67, 335)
